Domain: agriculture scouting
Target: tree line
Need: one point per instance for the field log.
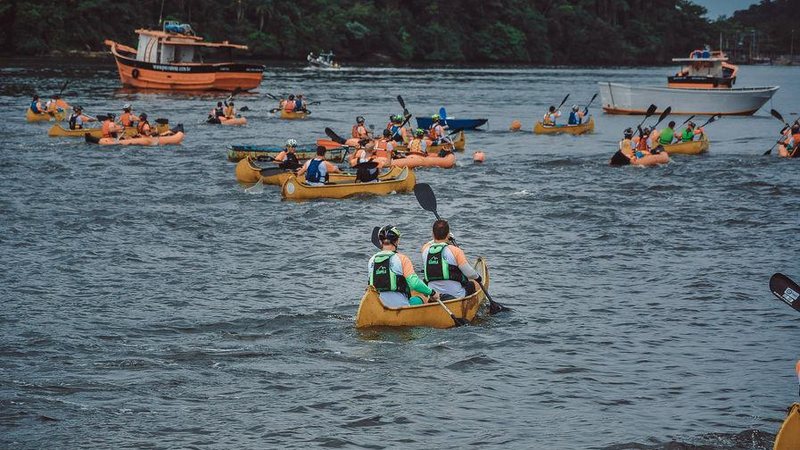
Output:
(481, 31)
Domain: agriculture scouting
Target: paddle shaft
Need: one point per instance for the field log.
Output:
(562, 102)
(458, 321)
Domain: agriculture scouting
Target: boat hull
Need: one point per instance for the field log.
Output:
(173, 139)
(292, 115)
(430, 160)
(788, 437)
(453, 124)
(625, 99)
(58, 131)
(459, 144)
(689, 148)
(249, 172)
(31, 116)
(372, 313)
(187, 77)
(239, 152)
(295, 189)
(583, 128)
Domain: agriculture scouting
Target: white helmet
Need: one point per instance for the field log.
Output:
(575, 108)
(126, 106)
(291, 143)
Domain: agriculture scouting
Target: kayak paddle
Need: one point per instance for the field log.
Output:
(778, 116)
(334, 137)
(443, 116)
(375, 241)
(427, 200)
(586, 109)
(686, 121)
(562, 102)
(663, 116)
(650, 111)
(711, 119)
(63, 86)
(785, 289)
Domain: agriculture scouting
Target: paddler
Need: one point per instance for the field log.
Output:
(78, 118)
(127, 118)
(789, 144)
(436, 132)
(143, 127)
(549, 119)
(418, 144)
(690, 132)
(289, 104)
(230, 110)
(109, 128)
(399, 132)
(575, 116)
(54, 105)
(392, 274)
(360, 130)
(300, 103)
(317, 170)
(384, 146)
(36, 106)
(643, 146)
(216, 113)
(626, 153)
(288, 156)
(447, 269)
(666, 135)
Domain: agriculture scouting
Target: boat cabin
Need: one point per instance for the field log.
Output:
(176, 44)
(704, 69)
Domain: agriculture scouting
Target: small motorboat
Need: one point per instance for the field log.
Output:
(323, 61)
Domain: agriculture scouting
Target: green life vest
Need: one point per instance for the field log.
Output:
(437, 268)
(687, 135)
(667, 134)
(382, 278)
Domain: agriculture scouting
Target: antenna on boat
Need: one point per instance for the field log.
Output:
(161, 13)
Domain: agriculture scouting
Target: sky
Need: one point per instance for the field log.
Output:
(717, 8)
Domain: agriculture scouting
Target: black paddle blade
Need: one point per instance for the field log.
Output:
(162, 121)
(590, 101)
(178, 128)
(425, 197)
(495, 308)
(777, 115)
(458, 320)
(664, 114)
(400, 100)
(687, 120)
(102, 118)
(244, 109)
(651, 110)
(785, 289)
(334, 137)
(369, 165)
(375, 241)
(619, 159)
(91, 139)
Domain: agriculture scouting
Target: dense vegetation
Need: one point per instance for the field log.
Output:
(529, 31)
(773, 21)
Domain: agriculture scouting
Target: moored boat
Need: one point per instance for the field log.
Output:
(425, 160)
(373, 313)
(586, 127)
(172, 139)
(323, 61)
(293, 115)
(249, 171)
(58, 131)
(237, 152)
(788, 437)
(704, 85)
(297, 189)
(170, 59)
(31, 116)
(689, 148)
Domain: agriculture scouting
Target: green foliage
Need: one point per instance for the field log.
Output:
(527, 31)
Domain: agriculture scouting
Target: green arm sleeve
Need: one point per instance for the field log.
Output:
(415, 284)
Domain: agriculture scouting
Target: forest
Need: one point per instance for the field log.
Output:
(474, 31)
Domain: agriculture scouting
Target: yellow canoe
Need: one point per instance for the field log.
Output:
(583, 128)
(248, 171)
(460, 143)
(689, 148)
(58, 131)
(293, 115)
(31, 116)
(788, 437)
(372, 313)
(296, 189)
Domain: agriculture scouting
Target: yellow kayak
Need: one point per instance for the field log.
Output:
(689, 148)
(583, 128)
(372, 313)
(788, 437)
(58, 131)
(293, 115)
(31, 116)
(296, 189)
(248, 171)
(460, 143)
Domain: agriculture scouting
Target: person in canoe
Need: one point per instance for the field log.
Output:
(447, 269)
(143, 127)
(628, 152)
(300, 104)
(216, 113)
(360, 130)
(78, 118)
(418, 144)
(55, 105)
(289, 104)
(392, 274)
(127, 118)
(36, 106)
(789, 144)
(317, 170)
(666, 136)
(550, 117)
(399, 132)
(690, 132)
(109, 128)
(287, 158)
(384, 146)
(575, 116)
(436, 132)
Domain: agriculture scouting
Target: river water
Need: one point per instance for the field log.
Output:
(149, 301)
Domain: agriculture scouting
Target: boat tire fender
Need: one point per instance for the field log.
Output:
(135, 73)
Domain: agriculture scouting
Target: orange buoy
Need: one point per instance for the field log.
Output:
(478, 157)
(516, 125)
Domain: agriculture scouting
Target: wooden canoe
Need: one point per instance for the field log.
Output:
(58, 131)
(297, 189)
(788, 437)
(31, 116)
(239, 152)
(689, 148)
(249, 171)
(293, 115)
(583, 128)
(422, 160)
(460, 143)
(372, 313)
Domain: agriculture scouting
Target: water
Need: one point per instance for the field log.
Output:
(149, 301)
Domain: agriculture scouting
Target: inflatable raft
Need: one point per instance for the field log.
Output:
(422, 160)
(583, 128)
(372, 313)
(296, 189)
(173, 139)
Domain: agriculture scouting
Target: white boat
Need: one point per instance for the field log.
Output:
(323, 61)
(704, 85)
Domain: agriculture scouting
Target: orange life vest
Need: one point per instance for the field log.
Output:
(415, 145)
(434, 131)
(126, 119)
(642, 145)
(288, 106)
(382, 148)
(143, 128)
(359, 132)
(108, 126)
